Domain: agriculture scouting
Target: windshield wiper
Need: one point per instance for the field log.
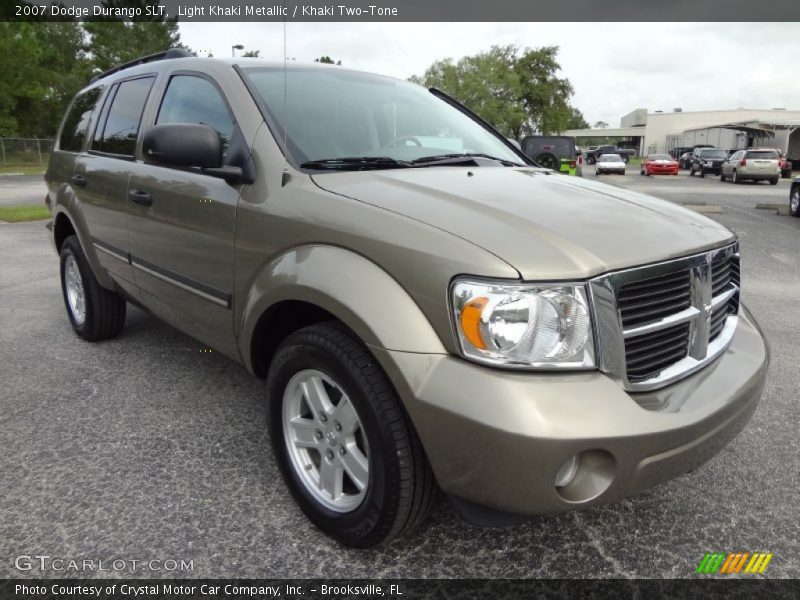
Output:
(456, 158)
(356, 163)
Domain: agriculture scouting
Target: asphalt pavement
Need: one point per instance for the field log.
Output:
(145, 448)
(16, 190)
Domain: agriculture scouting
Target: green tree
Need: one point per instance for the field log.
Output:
(252, 54)
(600, 125)
(113, 41)
(18, 82)
(518, 91)
(327, 60)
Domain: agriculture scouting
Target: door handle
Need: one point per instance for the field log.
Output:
(79, 180)
(140, 197)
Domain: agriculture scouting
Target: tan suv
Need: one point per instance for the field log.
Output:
(431, 312)
(753, 165)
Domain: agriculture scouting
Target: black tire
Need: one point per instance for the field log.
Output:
(104, 309)
(735, 177)
(721, 176)
(702, 172)
(794, 199)
(548, 160)
(691, 171)
(773, 181)
(402, 490)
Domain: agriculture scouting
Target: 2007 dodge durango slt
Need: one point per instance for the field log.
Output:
(431, 311)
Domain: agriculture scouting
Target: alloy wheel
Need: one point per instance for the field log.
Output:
(325, 440)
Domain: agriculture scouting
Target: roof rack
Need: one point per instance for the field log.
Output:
(167, 54)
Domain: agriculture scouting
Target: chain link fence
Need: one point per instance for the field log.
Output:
(25, 152)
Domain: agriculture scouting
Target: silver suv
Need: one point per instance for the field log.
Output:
(752, 165)
(431, 312)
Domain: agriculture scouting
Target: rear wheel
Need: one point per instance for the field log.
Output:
(794, 201)
(94, 312)
(722, 175)
(346, 449)
(773, 181)
(691, 171)
(735, 177)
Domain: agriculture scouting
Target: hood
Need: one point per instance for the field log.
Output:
(547, 226)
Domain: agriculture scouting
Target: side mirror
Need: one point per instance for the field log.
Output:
(184, 145)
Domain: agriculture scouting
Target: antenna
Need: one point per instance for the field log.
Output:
(286, 176)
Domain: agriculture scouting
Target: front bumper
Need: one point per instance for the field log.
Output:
(497, 438)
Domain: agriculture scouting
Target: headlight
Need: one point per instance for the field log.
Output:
(524, 325)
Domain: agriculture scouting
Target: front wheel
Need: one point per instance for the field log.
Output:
(702, 172)
(722, 176)
(794, 201)
(94, 312)
(735, 177)
(344, 444)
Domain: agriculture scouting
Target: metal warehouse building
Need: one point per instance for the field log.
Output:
(737, 128)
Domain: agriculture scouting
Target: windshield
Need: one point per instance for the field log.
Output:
(713, 154)
(659, 157)
(610, 158)
(338, 114)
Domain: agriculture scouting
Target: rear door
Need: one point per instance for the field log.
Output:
(182, 233)
(101, 174)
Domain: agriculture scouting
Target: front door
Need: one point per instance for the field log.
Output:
(182, 224)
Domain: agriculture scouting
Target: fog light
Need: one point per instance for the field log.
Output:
(567, 471)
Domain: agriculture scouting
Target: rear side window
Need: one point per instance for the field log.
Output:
(763, 154)
(191, 99)
(76, 124)
(121, 124)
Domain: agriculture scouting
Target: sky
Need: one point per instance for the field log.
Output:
(614, 67)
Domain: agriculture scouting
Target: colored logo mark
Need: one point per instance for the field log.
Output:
(738, 562)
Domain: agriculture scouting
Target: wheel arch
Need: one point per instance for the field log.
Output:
(313, 283)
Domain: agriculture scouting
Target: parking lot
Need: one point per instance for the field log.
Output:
(146, 448)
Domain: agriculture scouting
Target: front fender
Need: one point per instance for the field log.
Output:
(354, 289)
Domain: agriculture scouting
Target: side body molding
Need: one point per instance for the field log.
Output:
(351, 287)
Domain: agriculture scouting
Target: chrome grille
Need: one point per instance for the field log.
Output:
(643, 301)
(647, 355)
(658, 323)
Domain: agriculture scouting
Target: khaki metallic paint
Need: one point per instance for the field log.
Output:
(379, 250)
(508, 433)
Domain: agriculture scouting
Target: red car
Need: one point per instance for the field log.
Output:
(659, 164)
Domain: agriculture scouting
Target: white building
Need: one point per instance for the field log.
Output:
(737, 128)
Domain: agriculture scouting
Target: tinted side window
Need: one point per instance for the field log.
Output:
(77, 122)
(191, 99)
(122, 123)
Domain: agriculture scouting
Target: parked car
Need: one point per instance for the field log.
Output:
(625, 153)
(785, 165)
(685, 161)
(707, 160)
(659, 164)
(679, 150)
(556, 152)
(754, 165)
(794, 198)
(610, 163)
(431, 313)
